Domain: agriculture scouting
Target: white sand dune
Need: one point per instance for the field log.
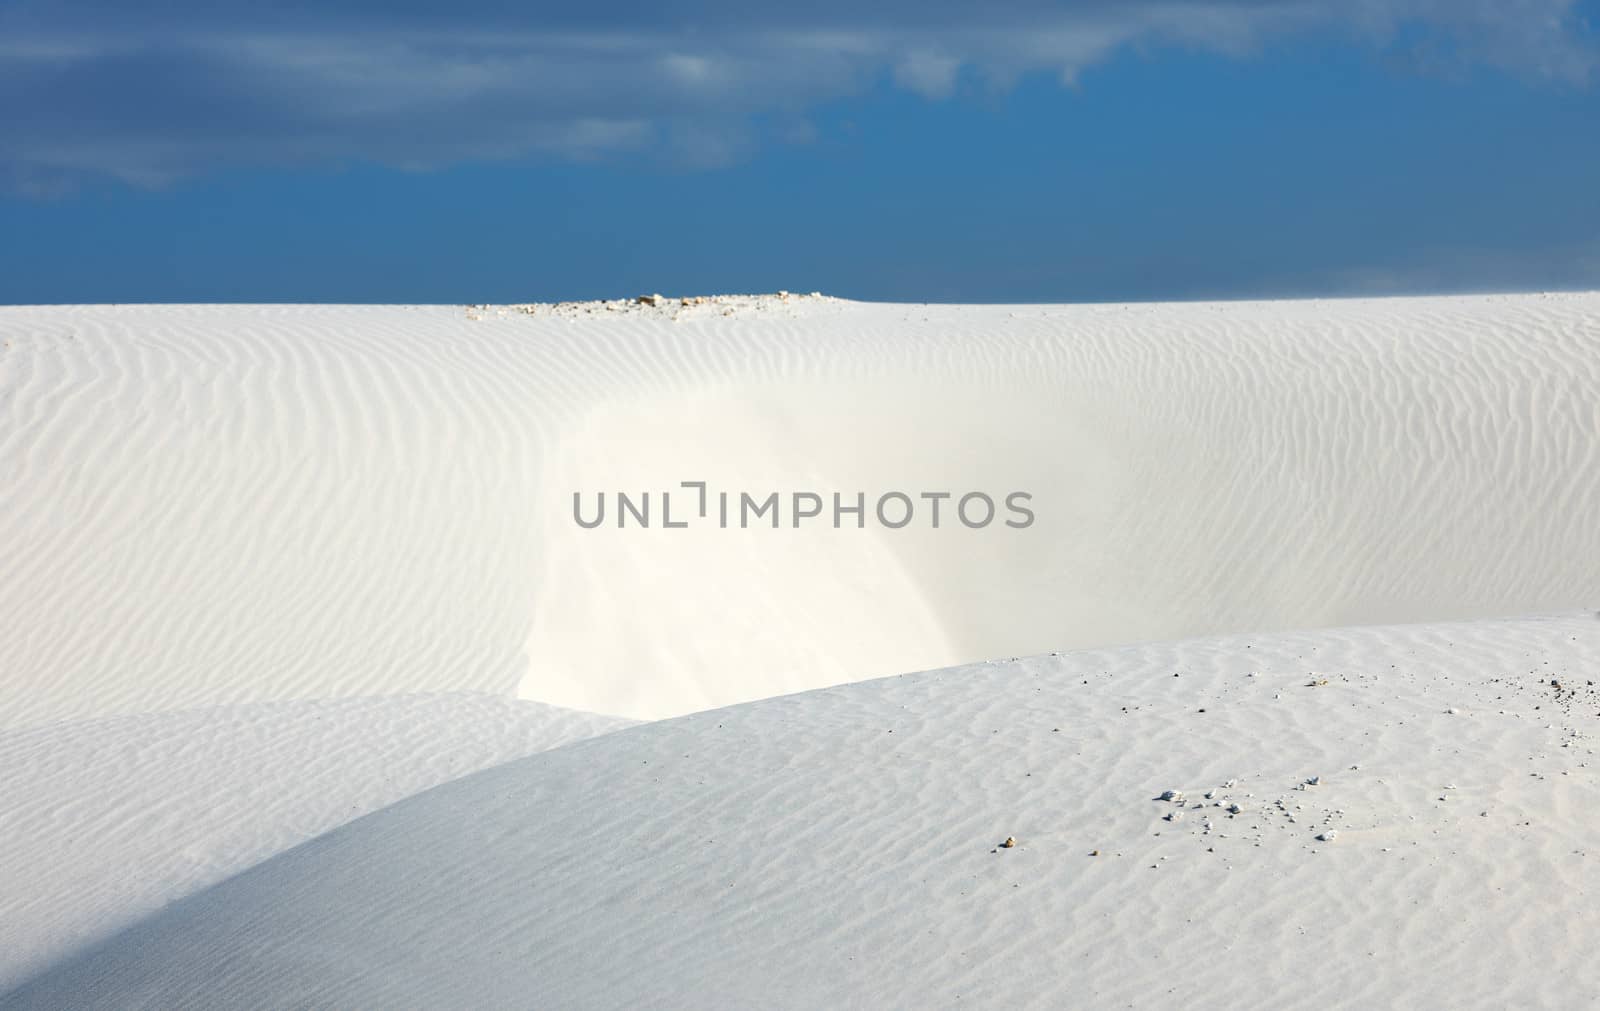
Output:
(839, 848)
(108, 820)
(291, 594)
(218, 505)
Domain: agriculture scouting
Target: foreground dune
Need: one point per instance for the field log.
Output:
(213, 505)
(1397, 816)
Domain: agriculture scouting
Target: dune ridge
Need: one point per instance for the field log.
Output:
(211, 505)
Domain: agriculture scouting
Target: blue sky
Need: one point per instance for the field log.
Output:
(359, 151)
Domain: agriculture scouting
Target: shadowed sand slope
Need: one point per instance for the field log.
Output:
(1393, 816)
(109, 820)
(210, 505)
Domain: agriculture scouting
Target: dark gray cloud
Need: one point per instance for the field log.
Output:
(163, 89)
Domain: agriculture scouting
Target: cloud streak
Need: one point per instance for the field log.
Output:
(181, 87)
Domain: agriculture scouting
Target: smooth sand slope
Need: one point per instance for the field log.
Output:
(839, 848)
(105, 821)
(218, 505)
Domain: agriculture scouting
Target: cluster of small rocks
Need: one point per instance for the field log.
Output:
(653, 304)
(1213, 800)
(1255, 817)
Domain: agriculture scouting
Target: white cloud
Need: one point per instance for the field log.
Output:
(927, 72)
